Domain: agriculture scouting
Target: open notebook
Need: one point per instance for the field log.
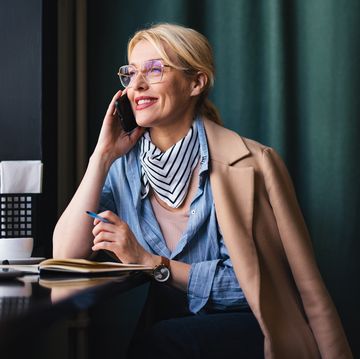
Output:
(88, 267)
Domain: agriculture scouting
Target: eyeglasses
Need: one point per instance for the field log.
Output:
(151, 70)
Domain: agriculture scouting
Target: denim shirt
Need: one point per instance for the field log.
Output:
(212, 281)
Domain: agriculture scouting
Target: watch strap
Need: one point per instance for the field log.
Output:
(165, 262)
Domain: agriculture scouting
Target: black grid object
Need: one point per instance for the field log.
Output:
(17, 215)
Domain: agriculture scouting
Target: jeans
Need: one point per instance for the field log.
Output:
(172, 332)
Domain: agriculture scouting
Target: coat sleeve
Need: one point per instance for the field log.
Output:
(319, 308)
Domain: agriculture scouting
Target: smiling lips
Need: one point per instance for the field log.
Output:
(143, 102)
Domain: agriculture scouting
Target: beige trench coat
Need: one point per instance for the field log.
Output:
(270, 249)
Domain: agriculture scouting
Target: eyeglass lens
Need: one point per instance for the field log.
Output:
(152, 71)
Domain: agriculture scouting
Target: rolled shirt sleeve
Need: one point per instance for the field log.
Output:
(213, 284)
(200, 282)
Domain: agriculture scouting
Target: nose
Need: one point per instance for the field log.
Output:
(139, 82)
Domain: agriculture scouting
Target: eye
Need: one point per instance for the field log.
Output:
(131, 72)
(156, 70)
(153, 67)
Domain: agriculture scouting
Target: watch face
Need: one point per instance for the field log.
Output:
(161, 273)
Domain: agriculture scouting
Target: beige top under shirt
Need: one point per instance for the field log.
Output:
(173, 221)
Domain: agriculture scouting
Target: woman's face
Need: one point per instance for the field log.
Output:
(167, 103)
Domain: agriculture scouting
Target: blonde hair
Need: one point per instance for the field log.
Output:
(193, 53)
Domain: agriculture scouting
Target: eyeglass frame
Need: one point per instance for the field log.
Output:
(163, 65)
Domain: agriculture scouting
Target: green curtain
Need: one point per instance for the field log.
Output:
(288, 75)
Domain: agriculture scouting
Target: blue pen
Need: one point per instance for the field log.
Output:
(95, 215)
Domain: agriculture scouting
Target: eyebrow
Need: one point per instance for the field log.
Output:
(133, 64)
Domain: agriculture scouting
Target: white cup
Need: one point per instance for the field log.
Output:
(16, 248)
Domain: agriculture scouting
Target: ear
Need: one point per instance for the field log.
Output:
(198, 84)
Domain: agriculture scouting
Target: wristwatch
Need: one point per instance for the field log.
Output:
(161, 272)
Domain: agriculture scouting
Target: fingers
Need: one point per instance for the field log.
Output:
(110, 231)
(108, 215)
(136, 134)
(116, 237)
(111, 109)
(100, 225)
(108, 245)
(104, 236)
(103, 245)
(111, 241)
(105, 239)
(103, 227)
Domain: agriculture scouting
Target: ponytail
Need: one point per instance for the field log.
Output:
(208, 110)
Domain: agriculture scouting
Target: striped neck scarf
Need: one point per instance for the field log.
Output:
(169, 173)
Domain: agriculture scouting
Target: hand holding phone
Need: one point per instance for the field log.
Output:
(125, 113)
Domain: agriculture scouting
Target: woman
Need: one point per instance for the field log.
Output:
(221, 207)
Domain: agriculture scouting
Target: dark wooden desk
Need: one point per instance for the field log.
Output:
(83, 318)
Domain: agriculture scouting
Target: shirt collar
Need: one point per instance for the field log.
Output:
(204, 151)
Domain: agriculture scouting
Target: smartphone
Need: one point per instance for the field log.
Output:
(126, 114)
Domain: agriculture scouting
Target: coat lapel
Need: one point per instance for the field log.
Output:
(233, 192)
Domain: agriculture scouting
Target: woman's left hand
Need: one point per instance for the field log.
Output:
(119, 239)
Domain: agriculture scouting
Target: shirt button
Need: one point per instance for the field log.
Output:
(193, 211)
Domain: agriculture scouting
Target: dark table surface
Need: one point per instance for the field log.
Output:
(31, 304)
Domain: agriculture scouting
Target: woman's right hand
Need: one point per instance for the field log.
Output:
(113, 141)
